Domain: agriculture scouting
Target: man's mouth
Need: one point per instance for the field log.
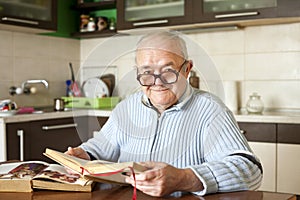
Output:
(158, 89)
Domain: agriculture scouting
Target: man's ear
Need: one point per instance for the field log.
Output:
(189, 66)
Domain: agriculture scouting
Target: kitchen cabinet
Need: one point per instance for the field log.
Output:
(41, 15)
(288, 170)
(135, 14)
(233, 10)
(262, 140)
(28, 140)
(186, 14)
(96, 9)
(278, 147)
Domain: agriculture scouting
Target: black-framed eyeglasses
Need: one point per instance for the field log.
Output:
(167, 77)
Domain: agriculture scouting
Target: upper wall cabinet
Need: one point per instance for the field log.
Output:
(233, 10)
(31, 14)
(144, 13)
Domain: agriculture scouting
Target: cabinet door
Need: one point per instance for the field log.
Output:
(231, 10)
(288, 158)
(142, 13)
(57, 134)
(33, 14)
(28, 140)
(16, 146)
(267, 155)
(262, 140)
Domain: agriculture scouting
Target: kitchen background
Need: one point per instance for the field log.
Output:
(263, 59)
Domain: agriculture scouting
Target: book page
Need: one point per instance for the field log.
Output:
(97, 170)
(21, 170)
(71, 162)
(59, 173)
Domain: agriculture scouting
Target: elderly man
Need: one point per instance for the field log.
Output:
(187, 138)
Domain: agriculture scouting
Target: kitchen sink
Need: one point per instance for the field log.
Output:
(35, 110)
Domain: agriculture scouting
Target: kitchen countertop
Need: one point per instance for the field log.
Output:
(289, 117)
(55, 115)
(292, 117)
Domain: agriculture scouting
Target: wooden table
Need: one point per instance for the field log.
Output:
(124, 193)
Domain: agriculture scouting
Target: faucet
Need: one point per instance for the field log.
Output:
(34, 81)
(25, 89)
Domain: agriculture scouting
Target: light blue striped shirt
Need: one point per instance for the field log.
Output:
(199, 132)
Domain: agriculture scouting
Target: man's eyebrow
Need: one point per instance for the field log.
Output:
(144, 67)
(171, 63)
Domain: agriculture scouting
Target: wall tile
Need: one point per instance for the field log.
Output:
(4, 89)
(275, 94)
(6, 41)
(59, 70)
(87, 46)
(31, 68)
(227, 42)
(272, 38)
(28, 45)
(63, 48)
(272, 66)
(230, 67)
(6, 68)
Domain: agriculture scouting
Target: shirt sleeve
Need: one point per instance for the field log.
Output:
(104, 145)
(226, 168)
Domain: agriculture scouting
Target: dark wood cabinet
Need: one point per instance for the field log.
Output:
(204, 13)
(15, 140)
(28, 140)
(135, 14)
(259, 132)
(241, 10)
(30, 14)
(289, 133)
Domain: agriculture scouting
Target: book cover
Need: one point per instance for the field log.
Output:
(96, 170)
(29, 175)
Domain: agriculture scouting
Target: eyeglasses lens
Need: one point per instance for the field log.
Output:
(165, 77)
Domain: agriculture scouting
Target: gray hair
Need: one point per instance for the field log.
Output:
(164, 40)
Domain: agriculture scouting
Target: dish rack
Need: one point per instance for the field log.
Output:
(95, 103)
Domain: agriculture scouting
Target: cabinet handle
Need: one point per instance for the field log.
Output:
(46, 128)
(20, 133)
(243, 132)
(236, 15)
(19, 20)
(164, 21)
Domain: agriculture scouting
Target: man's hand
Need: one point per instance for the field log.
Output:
(162, 179)
(78, 152)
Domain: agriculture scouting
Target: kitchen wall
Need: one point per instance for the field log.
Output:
(262, 59)
(27, 56)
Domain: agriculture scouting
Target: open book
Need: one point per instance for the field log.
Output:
(25, 176)
(96, 170)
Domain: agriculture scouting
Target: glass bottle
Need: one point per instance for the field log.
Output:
(254, 104)
(91, 26)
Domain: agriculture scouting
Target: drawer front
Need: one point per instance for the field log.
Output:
(289, 133)
(259, 132)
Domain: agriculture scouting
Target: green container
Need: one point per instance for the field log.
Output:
(96, 103)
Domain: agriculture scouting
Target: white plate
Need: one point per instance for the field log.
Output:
(95, 88)
(8, 113)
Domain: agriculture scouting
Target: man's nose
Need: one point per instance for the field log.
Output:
(158, 81)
